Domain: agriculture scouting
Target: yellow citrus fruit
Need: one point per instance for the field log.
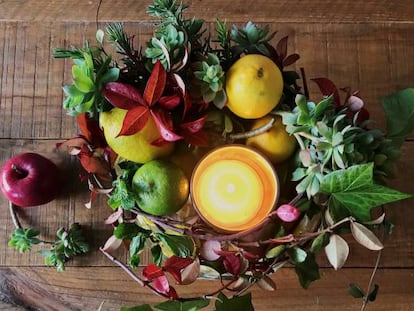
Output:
(254, 86)
(136, 147)
(161, 187)
(275, 143)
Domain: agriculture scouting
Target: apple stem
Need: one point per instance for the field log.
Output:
(18, 170)
(14, 217)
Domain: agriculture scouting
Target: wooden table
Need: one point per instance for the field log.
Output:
(367, 45)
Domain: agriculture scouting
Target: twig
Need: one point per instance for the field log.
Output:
(14, 217)
(132, 274)
(253, 132)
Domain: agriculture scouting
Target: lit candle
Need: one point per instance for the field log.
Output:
(234, 188)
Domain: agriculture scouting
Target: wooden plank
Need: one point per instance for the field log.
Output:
(329, 11)
(31, 96)
(109, 288)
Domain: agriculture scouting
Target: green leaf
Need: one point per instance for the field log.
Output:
(192, 305)
(82, 82)
(307, 271)
(275, 251)
(353, 192)
(355, 291)
(373, 295)
(399, 111)
(297, 254)
(110, 76)
(23, 239)
(181, 246)
(319, 242)
(236, 303)
(135, 248)
(128, 231)
(156, 253)
(145, 307)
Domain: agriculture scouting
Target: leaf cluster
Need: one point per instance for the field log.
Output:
(24, 238)
(69, 243)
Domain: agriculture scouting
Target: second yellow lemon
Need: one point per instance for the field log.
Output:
(254, 86)
(275, 143)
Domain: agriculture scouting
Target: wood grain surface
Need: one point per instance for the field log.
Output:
(367, 45)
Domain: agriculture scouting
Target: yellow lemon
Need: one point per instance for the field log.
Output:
(254, 86)
(275, 143)
(136, 147)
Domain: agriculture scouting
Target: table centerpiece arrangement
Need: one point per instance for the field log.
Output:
(217, 163)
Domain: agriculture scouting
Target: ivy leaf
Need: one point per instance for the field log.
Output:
(353, 192)
(235, 303)
(365, 237)
(399, 112)
(192, 305)
(181, 246)
(337, 251)
(126, 231)
(307, 271)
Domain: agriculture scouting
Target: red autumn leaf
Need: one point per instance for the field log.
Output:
(161, 284)
(155, 84)
(232, 264)
(91, 130)
(170, 102)
(281, 47)
(194, 126)
(172, 293)
(164, 124)
(135, 120)
(175, 264)
(123, 95)
(327, 87)
(93, 165)
(200, 138)
(291, 59)
(73, 143)
(152, 272)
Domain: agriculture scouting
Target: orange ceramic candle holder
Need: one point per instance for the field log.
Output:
(234, 188)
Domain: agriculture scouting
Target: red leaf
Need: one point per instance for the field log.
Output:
(76, 142)
(232, 264)
(92, 164)
(194, 126)
(135, 119)
(123, 95)
(152, 272)
(155, 84)
(170, 102)
(164, 124)
(175, 264)
(172, 293)
(91, 130)
(161, 284)
(187, 104)
(291, 59)
(327, 87)
(281, 48)
(200, 138)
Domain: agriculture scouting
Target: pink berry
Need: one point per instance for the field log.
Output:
(287, 213)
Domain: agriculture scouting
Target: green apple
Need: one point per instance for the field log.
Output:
(161, 187)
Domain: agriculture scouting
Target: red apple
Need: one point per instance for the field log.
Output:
(30, 179)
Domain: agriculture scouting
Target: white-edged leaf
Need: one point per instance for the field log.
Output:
(267, 283)
(337, 251)
(365, 237)
(376, 221)
(112, 244)
(190, 273)
(113, 217)
(100, 35)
